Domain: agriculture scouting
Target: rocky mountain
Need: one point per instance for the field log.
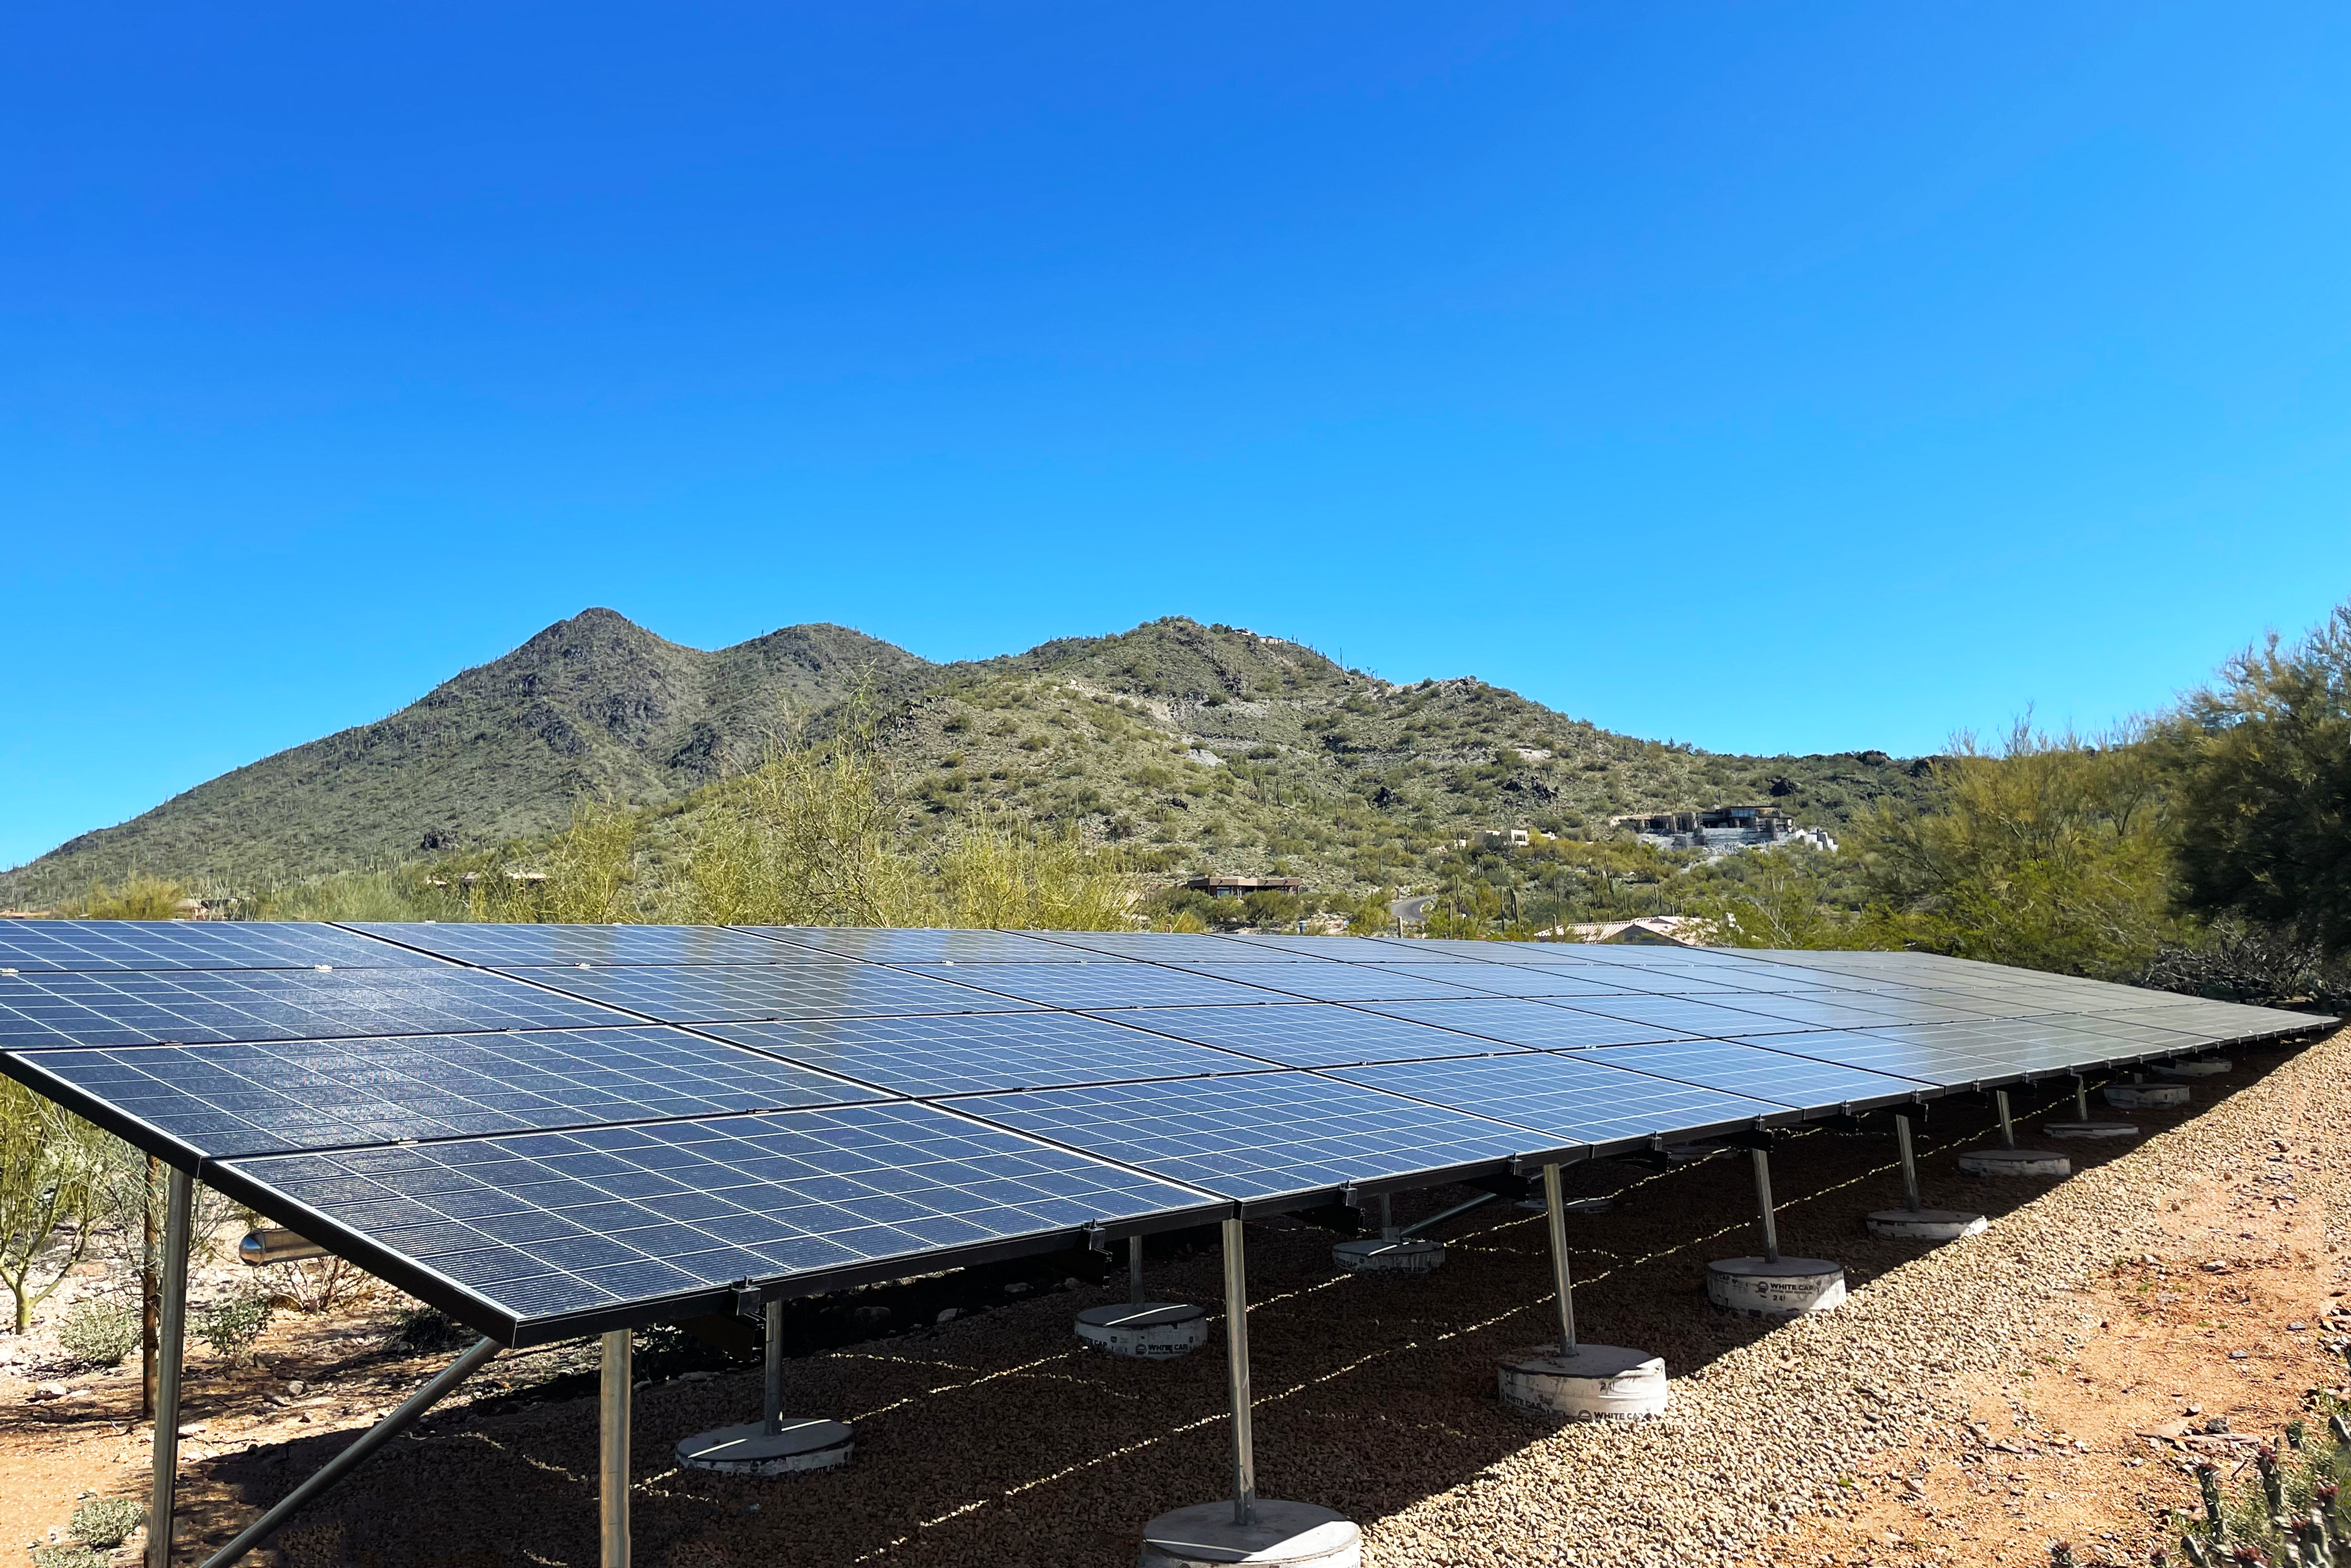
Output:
(1212, 741)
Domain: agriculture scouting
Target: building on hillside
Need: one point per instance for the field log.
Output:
(1216, 886)
(1724, 829)
(1495, 838)
(1649, 931)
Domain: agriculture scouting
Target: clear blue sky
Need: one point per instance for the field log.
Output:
(1773, 378)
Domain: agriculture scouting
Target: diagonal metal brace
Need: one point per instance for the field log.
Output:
(342, 1464)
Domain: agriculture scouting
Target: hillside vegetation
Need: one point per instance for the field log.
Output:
(1187, 746)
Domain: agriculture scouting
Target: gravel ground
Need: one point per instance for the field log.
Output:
(993, 1439)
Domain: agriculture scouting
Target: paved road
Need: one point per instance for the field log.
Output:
(1413, 911)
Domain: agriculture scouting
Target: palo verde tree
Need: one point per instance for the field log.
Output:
(53, 1189)
(2265, 799)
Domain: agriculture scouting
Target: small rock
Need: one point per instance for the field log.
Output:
(2217, 1426)
(948, 1314)
(2237, 1355)
(297, 1387)
(2297, 1327)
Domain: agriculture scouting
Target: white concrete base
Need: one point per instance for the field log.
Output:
(1406, 1255)
(2209, 1067)
(2015, 1163)
(1598, 1382)
(1292, 1534)
(1762, 1289)
(750, 1450)
(1925, 1224)
(2144, 1096)
(1150, 1330)
(2091, 1129)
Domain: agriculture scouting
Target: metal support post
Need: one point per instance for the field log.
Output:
(1562, 1281)
(1387, 1216)
(2081, 1099)
(1909, 1164)
(172, 1334)
(773, 1348)
(612, 1450)
(2007, 1121)
(376, 1437)
(1135, 1270)
(1763, 1205)
(1236, 1360)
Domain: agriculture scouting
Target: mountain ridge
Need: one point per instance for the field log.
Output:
(1256, 730)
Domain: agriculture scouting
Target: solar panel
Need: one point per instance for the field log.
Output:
(1955, 1055)
(1567, 1100)
(1305, 1035)
(137, 1008)
(580, 1166)
(890, 946)
(1762, 1075)
(725, 993)
(933, 1056)
(89, 946)
(1538, 1026)
(1270, 1140)
(509, 946)
(1542, 980)
(544, 1235)
(1340, 982)
(1104, 984)
(1158, 948)
(218, 1101)
(1348, 949)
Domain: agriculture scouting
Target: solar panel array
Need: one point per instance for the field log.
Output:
(551, 1130)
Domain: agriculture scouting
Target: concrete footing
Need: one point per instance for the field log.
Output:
(1291, 1534)
(1595, 1383)
(2145, 1096)
(2015, 1163)
(1374, 1255)
(2091, 1129)
(1149, 1331)
(1925, 1224)
(2207, 1067)
(1774, 1288)
(751, 1449)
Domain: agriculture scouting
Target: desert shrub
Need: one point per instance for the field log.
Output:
(53, 1169)
(70, 1554)
(421, 1329)
(106, 1522)
(319, 1285)
(229, 1328)
(99, 1330)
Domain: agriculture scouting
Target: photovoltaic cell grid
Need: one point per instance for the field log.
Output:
(938, 1056)
(221, 1101)
(88, 946)
(1265, 1136)
(550, 1226)
(505, 946)
(1186, 1069)
(187, 1006)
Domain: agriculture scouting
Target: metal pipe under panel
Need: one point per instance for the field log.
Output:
(773, 1351)
(1236, 1366)
(262, 1247)
(172, 1334)
(411, 1410)
(1909, 1164)
(1763, 1205)
(1561, 1278)
(612, 1450)
(1135, 1270)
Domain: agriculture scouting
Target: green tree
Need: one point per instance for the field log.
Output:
(53, 1187)
(2265, 802)
(2047, 853)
